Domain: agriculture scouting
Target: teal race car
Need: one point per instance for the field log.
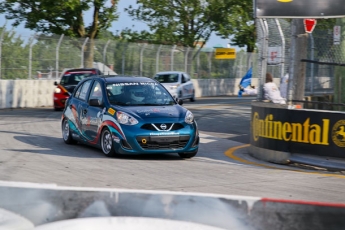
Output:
(128, 115)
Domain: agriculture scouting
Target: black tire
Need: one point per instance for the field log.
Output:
(66, 133)
(187, 155)
(107, 144)
(57, 109)
(180, 96)
(192, 99)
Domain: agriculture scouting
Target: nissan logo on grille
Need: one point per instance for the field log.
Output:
(163, 126)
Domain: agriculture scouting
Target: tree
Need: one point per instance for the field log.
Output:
(180, 22)
(15, 54)
(237, 21)
(63, 17)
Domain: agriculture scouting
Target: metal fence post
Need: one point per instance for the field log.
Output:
(124, 59)
(105, 55)
(312, 64)
(282, 64)
(198, 65)
(1, 40)
(264, 28)
(172, 58)
(157, 58)
(186, 60)
(141, 60)
(82, 52)
(30, 55)
(210, 55)
(57, 57)
(291, 82)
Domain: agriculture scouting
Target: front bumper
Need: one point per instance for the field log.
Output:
(152, 142)
(59, 101)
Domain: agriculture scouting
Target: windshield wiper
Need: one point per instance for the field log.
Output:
(119, 103)
(151, 104)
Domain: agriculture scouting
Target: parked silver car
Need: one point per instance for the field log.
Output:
(178, 84)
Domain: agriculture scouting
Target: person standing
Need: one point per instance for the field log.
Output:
(284, 85)
(271, 91)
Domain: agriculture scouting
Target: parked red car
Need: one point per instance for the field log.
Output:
(68, 82)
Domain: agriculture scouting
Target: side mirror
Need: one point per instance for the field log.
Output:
(55, 83)
(95, 102)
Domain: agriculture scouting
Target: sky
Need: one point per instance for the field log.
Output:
(123, 22)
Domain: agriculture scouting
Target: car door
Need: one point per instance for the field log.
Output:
(94, 113)
(82, 108)
(185, 82)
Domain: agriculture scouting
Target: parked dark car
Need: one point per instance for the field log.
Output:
(70, 78)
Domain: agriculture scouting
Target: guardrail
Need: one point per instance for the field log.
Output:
(38, 205)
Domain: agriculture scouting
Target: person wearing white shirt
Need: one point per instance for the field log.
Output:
(271, 91)
(250, 90)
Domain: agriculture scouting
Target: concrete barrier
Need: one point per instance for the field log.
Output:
(26, 93)
(280, 134)
(44, 204)
(39, 93)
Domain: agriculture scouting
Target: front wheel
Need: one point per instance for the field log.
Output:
(107, 143)
(187, 155)
(66, 133)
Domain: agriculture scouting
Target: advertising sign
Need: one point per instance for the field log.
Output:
(225, 53)
(274, 55)
(336, 35)
(298, 131)
(299, 8)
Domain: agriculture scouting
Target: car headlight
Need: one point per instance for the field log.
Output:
(126, 119)
(189, 119)
(57, 90)
(174, 86)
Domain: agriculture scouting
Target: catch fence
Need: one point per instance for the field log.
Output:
(325, 57)
(41, 56)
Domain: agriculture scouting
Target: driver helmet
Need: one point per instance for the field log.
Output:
(137, 93)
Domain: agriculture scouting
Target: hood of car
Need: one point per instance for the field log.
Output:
(172, 111)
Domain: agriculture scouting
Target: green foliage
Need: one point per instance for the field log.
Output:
(237, 21)
(180, 22)
(14, 61)
(63, 17)
(60, 16)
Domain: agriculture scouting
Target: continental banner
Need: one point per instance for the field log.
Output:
(298, 131)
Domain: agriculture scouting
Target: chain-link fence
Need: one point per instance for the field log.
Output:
(324, 55)
(41, 56)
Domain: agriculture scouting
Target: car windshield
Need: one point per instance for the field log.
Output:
(138, 93)
(74, 78)
(167, 78)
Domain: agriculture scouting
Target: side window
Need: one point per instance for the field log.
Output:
(84, 90)
(184, 79)
(96, 92)
(77, 93)
(187, 77)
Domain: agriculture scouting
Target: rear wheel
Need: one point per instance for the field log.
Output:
(66, 133)
(107, 143)
(187, 155)
(193, 97)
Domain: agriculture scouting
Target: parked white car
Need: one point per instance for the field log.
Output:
(178, 83)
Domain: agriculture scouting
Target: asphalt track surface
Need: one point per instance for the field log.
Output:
(32, 150)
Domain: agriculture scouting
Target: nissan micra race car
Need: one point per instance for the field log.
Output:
(128, 115)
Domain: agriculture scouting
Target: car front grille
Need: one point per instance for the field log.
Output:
(163, 142)
(157, 126)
